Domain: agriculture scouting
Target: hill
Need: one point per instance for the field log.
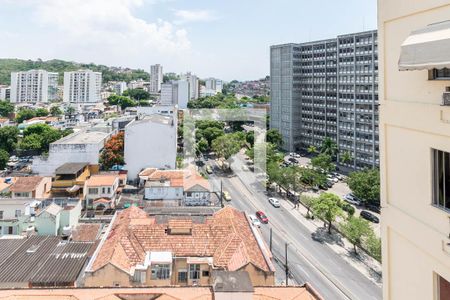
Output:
(8, 65)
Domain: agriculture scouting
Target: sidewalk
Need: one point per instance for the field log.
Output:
(368, 266)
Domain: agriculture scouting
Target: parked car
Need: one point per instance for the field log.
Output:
(262, 217)
(368, 216)
(374, 208)
(292, 160)
(209, 169)
(226, 196)
(352, 199)
(296, 155)
(329, 183)
(292, 154)
(254, 220)
(275, 202)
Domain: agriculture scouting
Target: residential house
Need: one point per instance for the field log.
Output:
(32, 187)
(70, 178)
(150, 142)
(138, 250)
(15, 215)
(41, 261)
(4, 122)
(58, 219)
(5, 184)
(101, 190)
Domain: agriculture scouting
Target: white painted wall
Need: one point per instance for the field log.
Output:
(163, 193)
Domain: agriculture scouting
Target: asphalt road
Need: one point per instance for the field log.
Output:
(308, 260)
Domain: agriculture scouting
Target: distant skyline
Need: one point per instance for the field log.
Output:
(223, 39)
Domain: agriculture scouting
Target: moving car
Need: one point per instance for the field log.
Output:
(254, 220)
(368, 216)
(350, 198)
(262, 217)
(226, 196)
(209, 169)
(274, 202)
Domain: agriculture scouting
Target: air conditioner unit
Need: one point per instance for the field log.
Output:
(446, 98)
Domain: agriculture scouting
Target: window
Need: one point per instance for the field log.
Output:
(194, 271)
(18, 213)
(10, 230)
(436, 74)
(441, 179)
(182, 276)
(205, 273)
(161, 271)
(443, 288)
(93, 191)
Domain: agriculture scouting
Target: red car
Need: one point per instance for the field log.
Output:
(262, 217)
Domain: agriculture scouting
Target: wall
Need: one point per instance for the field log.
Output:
(258, 277)
(43, 188)
(412, 122)
(47, 224)
(70, 217)
(107, 276)
(149, 144)
(163, 193)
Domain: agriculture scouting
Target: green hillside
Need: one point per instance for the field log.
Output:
(55, 65)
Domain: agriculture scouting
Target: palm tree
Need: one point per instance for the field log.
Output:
(346, 157)
(312, 149)
(329, 147)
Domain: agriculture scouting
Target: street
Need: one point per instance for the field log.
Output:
(308, 260)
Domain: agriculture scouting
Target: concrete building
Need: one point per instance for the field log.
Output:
(5, 93)
(328, 88)
(166, 94)
(79, 147)
(139, 250)
(101, 190)
(175, 93)
(82, 87)
(34, 86)
(15, 215)
(414, 44)
(194, 87)
(214, 84)
(119, 88)
(150, 142)
(156, 78)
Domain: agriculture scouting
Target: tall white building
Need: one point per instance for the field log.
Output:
(156, 78)
(175, 93)
(82, 87)
(214, 84)
(194, 89)
(120, 87)
(166, 94)
(33, 86)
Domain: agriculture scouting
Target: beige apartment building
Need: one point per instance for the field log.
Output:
(414, 41)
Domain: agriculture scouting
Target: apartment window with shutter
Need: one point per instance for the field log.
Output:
(194, 271)
(161, 271)
(439, 74)
(441, 179)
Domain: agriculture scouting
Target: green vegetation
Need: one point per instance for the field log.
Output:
(274, 137)
(328, 208)
(225, 101)
(329, 147)
(38, 137)
(229, 144)
(25, 114)
(108, 73)
(323, 162)
(365, 185)
(137, 94)
(4, 157)
(356, 230)
(55, 111)
(6, 108)
(308, 202)
(41, 112)
(9, 136)
(121, 101)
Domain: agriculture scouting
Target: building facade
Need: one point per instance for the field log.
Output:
(5, 93)
(214, 84)
(34, 86)
(194, 88)
(82, 87)
(175, 93)
(415, 147)
(156, 78)
(328, 88)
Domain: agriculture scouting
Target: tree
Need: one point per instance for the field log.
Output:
(6, 108)
(373, 246)
(329, 147)
(323, 162)
(121, 101)
(31, 142)
(308, 201)
(210, 134)
(273, 136)
(202, 146)
(113, 152)
(328, 208)
(25, 114)
(39, 137)
(137, 94)
(365, 185)
(312, 149)
(41, 112)
(250, 137)
(312, 178)
(9, 135)
(70, 111)
(55, 111)
(346, 157)
(4, 157)
(356, 230)
(227, 145)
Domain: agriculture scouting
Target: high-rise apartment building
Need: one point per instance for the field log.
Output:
(156, 78)
(175, 93)
(328, 88)
(5, 92)
(414, 39)
(194, 88)
(214, 84)
(33, 86)
(82, 87)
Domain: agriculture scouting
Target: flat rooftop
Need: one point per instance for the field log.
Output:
(83, 137)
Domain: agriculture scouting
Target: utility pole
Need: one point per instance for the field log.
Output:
(286, 262)
(221, 194)
(270, 240)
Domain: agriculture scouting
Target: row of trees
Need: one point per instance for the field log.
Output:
(225, 101)
(329, 207)
(130, 98)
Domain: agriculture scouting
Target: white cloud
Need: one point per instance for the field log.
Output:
(200, 15)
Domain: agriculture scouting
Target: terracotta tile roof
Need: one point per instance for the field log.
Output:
(26, 184)
(85, 232)
(147, 172)
(226, 237)
(192, 178)
(174, 176)
(187, 179)
(101, 180)
(3, 120)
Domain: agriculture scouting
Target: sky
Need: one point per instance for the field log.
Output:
(226, 39)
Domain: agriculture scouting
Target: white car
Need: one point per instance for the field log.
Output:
(275, 202)
(296, 155)
(254, 220)
(350, 198)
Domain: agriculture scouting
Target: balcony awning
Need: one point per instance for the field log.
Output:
(73, 189)
(427, 48)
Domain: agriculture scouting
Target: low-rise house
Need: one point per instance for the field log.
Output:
(58, 219)
(31, 187)
(15, 215)
(70, 178)
(4, 122)
(139, 251)
(41, 261)
(101, 190)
